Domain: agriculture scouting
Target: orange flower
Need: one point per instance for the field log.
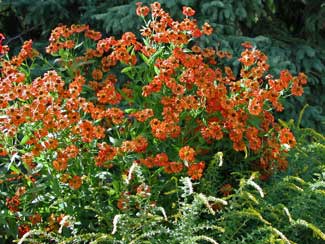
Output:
(285, 78)
(142, 10)
(148, 162)
(195, 171)
(255, 106)
(75, 87)
(196, 49)
(254, 141)
(104, 45)
(236, 135)
(60, 164)
(141, 144)
(115, 114)
(27, 158)
(51, 144)
(123, 201)
(286, 137)
(142, 115)
(187, 154)
(239, 146)
(71, 151)
(297, 89)
(154, 86)
(97, 113)
(3, 151)
(213, 131)
(207, 29)
(302, 78)
(94, 35)
(128, 146)
(108, 94)
(88, 131)
(247, 45)
(161, 159)
(23, 229)
(170, 115)
(173, 167)
(247, 58)
(79, 28)
(75, 182)
(97, 74)
(188, 11)
(13, 203)
(129, 38)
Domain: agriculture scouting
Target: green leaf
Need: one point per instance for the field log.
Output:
(116, 186)
(300, 54)
(129, 71)
(157, 71)
(25, 139)
(226, 13)
(310, 51)
(241, 12)
(255, 121)
(156, 55)
(126, 69)
(317, 65)
(144, 58)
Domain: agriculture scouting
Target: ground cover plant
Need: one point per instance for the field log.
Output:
(121, 140)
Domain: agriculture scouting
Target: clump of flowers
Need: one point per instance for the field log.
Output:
(110, 106)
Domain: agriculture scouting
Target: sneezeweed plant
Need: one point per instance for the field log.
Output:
(111, 124)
